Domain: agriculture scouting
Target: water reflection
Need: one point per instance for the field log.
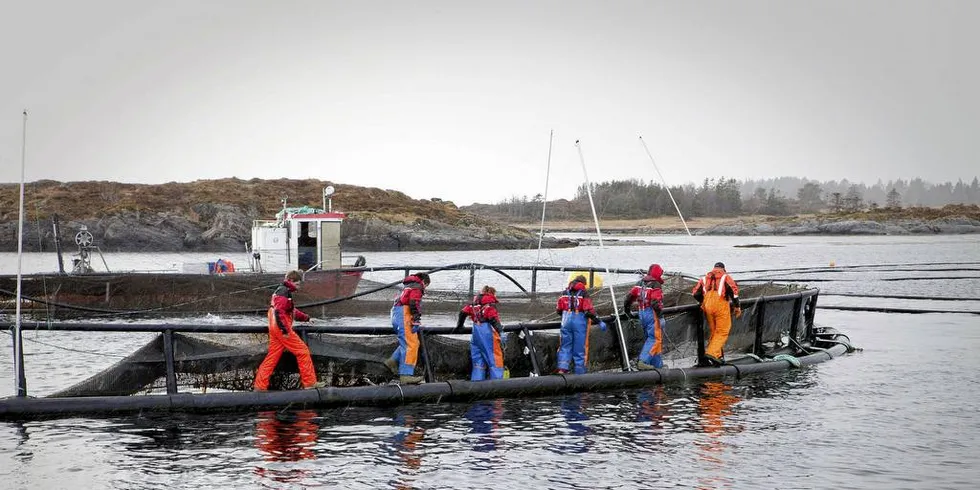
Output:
(575, 440)
(484, 417)
(408, 447)
(286, 437)
(715, 404)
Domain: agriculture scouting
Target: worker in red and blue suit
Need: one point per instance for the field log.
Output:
(406, 320)
(487, 340)
(649, 299)
(577, 315)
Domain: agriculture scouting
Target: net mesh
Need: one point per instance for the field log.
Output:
(228, 361)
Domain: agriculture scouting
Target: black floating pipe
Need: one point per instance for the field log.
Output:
(22, 408)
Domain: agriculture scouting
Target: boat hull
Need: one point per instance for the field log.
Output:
(170, 293)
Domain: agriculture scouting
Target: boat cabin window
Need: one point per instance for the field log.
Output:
(307, 245)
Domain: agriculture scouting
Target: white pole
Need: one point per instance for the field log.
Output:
(544, 203)
(665, 185)
(20, 380)
(612, 294)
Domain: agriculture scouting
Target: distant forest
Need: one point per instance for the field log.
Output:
(634, 199)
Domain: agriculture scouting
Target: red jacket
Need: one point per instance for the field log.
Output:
(576, 300)
(647, 294)
(411, 296)
(285, 310)
(482, 310)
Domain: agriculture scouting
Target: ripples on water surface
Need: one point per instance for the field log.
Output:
(900, 414)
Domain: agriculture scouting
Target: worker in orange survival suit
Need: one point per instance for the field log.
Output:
(718, 295)
(577, 315)
(285, 437)
(487, 341)
(649, 299)
(715, 408)
(281, 315)
(406, 319)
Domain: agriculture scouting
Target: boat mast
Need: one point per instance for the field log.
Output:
(544, 202)
(665, 185)
(20, 380)
(612, 294)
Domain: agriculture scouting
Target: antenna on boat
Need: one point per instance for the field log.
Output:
(20, 380)
(612, 294)
(544, 202)
(665, 185)
(327, 201)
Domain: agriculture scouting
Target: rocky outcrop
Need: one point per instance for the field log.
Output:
(227, 228)
(424, 234)
(951, 225)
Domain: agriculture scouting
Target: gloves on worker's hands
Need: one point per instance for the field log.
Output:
(602, 326)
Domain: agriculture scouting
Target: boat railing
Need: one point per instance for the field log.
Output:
(803, 307)
(589, 271)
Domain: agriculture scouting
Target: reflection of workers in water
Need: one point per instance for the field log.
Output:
(650, 405)
(284, 437)
(575, 440)
(714, 406)
(407, 445)
(484, 417)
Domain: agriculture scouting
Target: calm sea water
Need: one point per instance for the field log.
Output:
(900, 414)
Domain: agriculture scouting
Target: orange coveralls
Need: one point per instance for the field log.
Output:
(282, 337)
(714, 291)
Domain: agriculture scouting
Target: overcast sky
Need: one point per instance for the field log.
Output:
(455, 99)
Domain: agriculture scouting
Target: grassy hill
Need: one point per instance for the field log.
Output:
(94, 199)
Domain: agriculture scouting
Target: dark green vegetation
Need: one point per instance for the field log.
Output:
(726, 197)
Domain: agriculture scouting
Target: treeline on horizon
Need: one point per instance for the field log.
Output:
(726, 197)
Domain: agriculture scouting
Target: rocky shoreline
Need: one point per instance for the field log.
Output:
(227, 228)
(956, 225)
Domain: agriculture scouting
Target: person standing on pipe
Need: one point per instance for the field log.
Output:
(649, 299)
(717, 293)
(577, 315)
(487, 340)
(406, 320)
(282, 314)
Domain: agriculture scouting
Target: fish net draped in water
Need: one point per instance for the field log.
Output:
(229, 361)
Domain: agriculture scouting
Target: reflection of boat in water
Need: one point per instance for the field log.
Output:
(302, 238)
(775, 332)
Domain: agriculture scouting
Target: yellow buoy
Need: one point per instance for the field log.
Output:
(596, 278)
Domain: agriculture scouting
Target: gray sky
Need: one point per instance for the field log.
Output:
(456, 99)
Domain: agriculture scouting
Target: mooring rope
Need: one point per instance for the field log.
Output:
(882, 309)
(899, 296)
(69, 349)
